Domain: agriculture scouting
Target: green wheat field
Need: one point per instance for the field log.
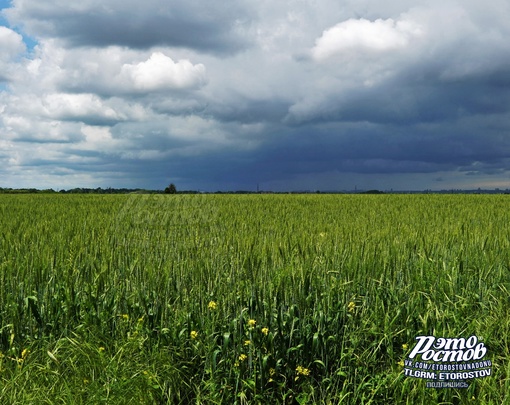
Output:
(247, 299)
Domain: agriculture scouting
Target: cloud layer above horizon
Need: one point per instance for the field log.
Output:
(230, 95)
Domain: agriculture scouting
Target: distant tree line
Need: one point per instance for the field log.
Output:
(25, 191)
(171, 189)
(108, 190)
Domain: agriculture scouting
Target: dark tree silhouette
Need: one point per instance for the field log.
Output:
(171, 189)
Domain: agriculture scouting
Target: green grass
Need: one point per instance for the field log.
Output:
(107, 299)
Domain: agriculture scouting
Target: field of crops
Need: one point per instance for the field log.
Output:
(271, 299)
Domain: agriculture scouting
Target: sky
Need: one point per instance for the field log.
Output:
(237, 95)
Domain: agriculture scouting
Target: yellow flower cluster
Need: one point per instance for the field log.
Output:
(265, 331)
(351, 306)
(212, 305)
(242, 357)
(252, 323)
(194, 334)
(302, 371)
(20, 361)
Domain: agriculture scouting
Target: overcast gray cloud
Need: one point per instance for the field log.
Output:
(227, 95)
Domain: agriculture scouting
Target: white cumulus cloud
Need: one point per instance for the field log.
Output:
(76, 106)
(365, 36)
(160, 72)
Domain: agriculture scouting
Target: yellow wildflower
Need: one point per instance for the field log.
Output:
(252, 323)
(401, 363)
(302, 371)
(265, 331)
(24, 353)
(405, 346)
(351, 306)
(242, 357)
(193, 334)
(212, 305)
(247, 342)
(125, 317)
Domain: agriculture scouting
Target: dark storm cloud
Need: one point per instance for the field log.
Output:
(412, 98)
(205, 26)
(149, 136)
(245, 110)
(373, 150)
